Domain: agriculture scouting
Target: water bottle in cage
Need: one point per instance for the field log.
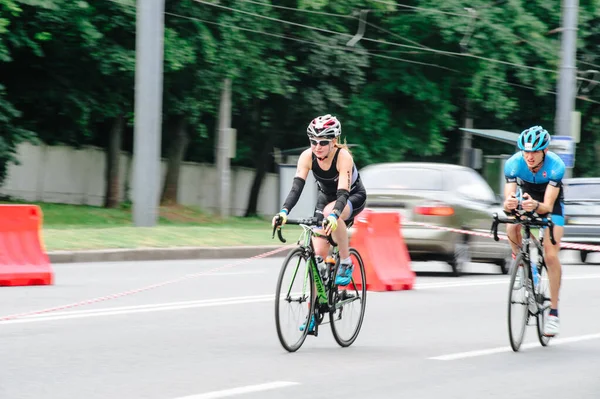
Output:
(535, 274)
(321, 266)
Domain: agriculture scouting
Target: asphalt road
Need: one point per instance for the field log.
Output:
(213, 335)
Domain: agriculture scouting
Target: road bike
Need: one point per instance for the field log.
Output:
(529, 287)
(306, 292)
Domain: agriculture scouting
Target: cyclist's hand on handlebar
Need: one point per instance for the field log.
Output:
(529, 204)
(512, 202)
(280, 218)
(330, 223)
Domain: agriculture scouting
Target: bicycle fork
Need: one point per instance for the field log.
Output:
(529, 288)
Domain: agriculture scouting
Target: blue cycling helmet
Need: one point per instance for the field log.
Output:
(535, 138)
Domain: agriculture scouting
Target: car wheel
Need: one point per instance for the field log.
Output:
(505, 264)
(460, 258)
(583, 255)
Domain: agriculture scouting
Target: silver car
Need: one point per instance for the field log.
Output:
(582, 212)
(444, 195)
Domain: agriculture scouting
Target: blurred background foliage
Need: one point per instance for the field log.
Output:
(67, 71)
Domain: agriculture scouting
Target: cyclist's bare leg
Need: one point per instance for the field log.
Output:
(321, 246)
(513, 232)
(340, 235)
(553, 264)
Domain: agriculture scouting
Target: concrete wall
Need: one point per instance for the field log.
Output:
(77, 176)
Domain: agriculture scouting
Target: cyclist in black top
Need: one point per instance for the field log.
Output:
(341, 196)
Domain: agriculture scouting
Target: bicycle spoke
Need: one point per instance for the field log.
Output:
(348, 305)
(543, 300)
(518, 304)
(294, 276)
(293, 308)
(300, 299)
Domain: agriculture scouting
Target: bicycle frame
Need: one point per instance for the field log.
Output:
(527, 240)
(305, 242)
(323, 296)
(535, 295)
(527, 220)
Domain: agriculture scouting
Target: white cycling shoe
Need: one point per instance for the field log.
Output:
(552, 326)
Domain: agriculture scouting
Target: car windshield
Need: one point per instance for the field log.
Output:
(582, 191)
(402, 178)
(471, 185)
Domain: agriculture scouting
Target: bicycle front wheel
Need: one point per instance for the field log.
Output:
(293, 300)
(518, 306)
(347, 304)
(542, 297)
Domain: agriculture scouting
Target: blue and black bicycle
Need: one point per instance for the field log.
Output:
(529, 288)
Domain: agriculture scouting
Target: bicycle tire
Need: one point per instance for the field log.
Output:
(297, 252)
(517, 340)
(334, 294)
(541, 299)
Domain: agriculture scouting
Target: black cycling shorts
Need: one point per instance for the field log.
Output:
(356, 201)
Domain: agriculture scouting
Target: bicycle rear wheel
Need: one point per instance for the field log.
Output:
(542, 297)
(348, 304)
(294, 300)
(518, 306)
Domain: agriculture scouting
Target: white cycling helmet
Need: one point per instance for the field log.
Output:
(325, 126)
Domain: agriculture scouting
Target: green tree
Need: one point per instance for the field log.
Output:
(11, 134)
(191, 93)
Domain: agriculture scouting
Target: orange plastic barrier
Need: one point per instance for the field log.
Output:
(383, 250)
(23, 261)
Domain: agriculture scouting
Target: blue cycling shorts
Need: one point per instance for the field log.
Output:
(559, 219)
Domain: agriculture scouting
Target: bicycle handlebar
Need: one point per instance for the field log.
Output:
(277, 224)
(311, 221)
(525, 218)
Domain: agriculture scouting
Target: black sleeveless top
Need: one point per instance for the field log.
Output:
(327, 180)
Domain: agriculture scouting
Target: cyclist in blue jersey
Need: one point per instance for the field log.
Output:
(538, 173)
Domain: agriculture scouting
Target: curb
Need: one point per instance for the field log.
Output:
(173, 253)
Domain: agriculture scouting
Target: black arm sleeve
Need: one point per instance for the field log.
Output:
(342, 199)
(294, 195)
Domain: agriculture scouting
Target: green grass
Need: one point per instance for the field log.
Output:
(80, 227)
(158, 237)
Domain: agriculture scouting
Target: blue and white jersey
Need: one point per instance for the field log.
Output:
(551, 172)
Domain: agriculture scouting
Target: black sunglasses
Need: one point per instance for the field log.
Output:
(322, 143)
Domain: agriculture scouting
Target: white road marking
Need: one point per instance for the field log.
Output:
(503, 280)
(493, 351)
(466, 283)
(216, 273)
(77, 314)
(205, 303)
(234, 273)
(242, 390)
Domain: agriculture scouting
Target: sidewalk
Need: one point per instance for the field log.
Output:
(173, 253)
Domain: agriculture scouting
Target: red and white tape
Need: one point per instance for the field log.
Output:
(150, 287)
(566, 245)
(468, 232)
(584, 247)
